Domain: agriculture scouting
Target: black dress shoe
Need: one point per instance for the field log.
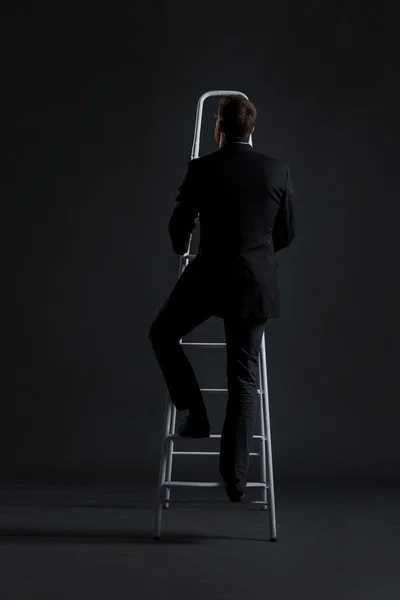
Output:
(194, 427)
(234, 493)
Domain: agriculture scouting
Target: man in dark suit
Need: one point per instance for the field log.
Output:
(245, 204)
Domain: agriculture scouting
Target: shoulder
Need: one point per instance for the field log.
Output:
(276, 168)
(271, 162)
(203, 161)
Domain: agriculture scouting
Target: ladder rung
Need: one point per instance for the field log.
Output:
(216, 390)
(208, 484)
(188, 256)
(205, 344)
(184, 501)
(212, 436)
(182, 453)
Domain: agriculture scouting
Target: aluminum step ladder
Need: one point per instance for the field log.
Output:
(264, 453)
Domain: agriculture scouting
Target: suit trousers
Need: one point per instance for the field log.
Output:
(191, 303)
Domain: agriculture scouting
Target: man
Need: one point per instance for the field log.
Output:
(245, 205)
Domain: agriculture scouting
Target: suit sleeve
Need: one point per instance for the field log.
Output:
(285, 223)
(186, 210)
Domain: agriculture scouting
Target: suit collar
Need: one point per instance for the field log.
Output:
(236, 146)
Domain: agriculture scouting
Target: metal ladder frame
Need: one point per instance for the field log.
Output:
(266, 483)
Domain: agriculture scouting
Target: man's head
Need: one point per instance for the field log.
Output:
(235, 120)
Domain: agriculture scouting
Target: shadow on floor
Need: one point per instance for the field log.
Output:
(110, 537)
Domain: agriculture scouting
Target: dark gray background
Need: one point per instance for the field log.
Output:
(98, 109)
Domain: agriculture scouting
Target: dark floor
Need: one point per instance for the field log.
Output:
(73, 543)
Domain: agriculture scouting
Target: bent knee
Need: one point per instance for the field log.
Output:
(154, 332)
(162, 335)
(158, 333)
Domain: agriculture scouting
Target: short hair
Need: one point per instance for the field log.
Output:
(238, 116)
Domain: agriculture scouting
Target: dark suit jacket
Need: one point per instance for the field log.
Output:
(245, 204)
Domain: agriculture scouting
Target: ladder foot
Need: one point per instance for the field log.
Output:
(156, 538)
(265, 507)
(273, 539)
(166, 505)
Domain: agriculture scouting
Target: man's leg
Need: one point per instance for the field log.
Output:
(187, 307)
(243, 341)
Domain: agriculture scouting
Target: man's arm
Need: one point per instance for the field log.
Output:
(185, 211)
(285, 223)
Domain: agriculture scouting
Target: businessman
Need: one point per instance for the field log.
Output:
(246, 209)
